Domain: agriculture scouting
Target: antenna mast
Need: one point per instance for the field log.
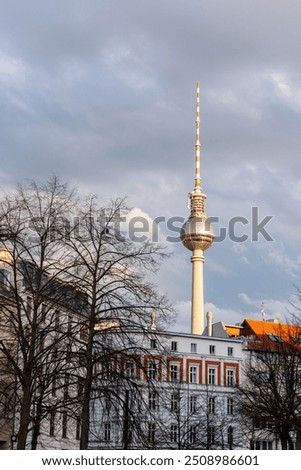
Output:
(197, 181)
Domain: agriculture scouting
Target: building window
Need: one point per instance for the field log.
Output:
(267, 445)
(151, 432)
(28, 305)
(174, 403)
(274, 338)
(5, 278)
(107, 370)
(64, 425)
(211, 375)
(174, 346)
(43, 312)
(230, 351)
(230, 406)
(211, 405)
(54, 386)
(52, 423)
(230, 377)
(83, 334)
(193, 374)
(174, 372)
(152, 370)
(66, 387)
(82, 357)
(261, 445)
(192, 404)
(211, 349)
(211, 435)
(69, 327)
(255, 445)
(107, 432)
(41, 342)
(262, 423)
(57, 319)
(153, 344)
(230, 437)
(78, 422)
(193, 347)
(130, 369)
(106, 402)
(80, 386)
(192, 434)
(153, 401)
(173, 433)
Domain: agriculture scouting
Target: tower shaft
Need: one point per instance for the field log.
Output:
(197, 297)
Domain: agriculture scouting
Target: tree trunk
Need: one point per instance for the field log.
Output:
(24, 419)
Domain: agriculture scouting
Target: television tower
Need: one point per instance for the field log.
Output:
(197, 234)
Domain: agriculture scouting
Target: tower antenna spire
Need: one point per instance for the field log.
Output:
(197, 180)
(197, 234)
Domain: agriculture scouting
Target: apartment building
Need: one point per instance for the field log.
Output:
(39, 372)
(169, 390)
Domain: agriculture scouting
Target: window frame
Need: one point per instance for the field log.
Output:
(211, 405)
(173, 433)
(212, 375)
(193, 374)
(174, 372)
(230, 406)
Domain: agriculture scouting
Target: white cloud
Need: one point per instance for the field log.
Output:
(238, 248)
(268, 308)
(282, 84)
(246, 299)
(129, 66)
(11, 68)
(140, 226)
(183, 317)
(279, 257)
(226, 315)
(236, 102)
(288, 89)
(218, 267)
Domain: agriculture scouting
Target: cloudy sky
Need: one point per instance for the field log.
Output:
(102, 93)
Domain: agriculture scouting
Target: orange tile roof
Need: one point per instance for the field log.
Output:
(233, 330)
(270, 333)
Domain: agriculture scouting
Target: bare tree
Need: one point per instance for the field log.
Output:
(271, 392)
(110, 269)
(69, 276)
(33, 262)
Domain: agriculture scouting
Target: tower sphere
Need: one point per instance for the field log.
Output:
(197, 233)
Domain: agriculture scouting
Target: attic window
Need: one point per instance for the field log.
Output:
(296, 339)
(274, 338)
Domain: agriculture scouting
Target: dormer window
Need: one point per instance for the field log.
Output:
(274, 338)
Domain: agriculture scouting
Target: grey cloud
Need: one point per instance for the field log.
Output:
(103, 93)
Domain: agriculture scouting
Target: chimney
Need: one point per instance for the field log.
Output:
(209, 323)
(153, 321)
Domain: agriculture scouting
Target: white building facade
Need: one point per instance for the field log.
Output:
(169, 390)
